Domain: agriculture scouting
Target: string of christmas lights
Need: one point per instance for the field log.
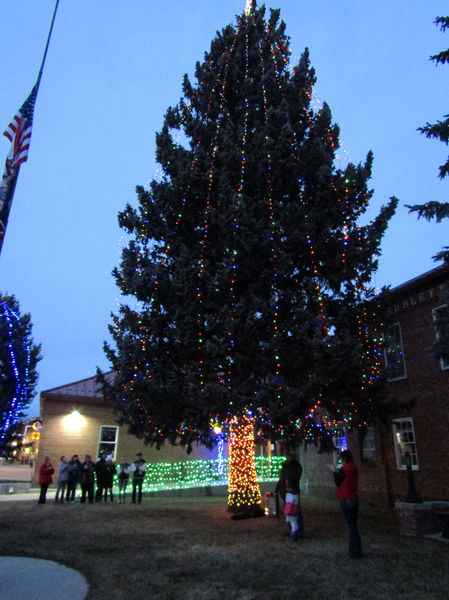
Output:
(317, 422)
(243, 486)
(203, 473)
(20, 397)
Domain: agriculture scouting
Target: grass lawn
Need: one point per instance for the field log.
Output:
(189, 548)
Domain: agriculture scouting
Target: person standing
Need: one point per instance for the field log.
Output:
(288, 489)
(62, 479)
(108, 478)
(100, 470)
(123, 478)
(346, 480)
(138, 470)
(46, 471)
(74, 473)
(87, 480)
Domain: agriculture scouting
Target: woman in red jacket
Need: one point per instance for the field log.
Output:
(346, 480)
(45, 472)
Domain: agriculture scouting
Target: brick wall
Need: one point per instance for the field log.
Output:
(429, 384)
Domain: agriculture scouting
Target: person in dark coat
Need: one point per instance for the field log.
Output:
(87, 480)
(108, 478)
(288, 489)
(100, 469)
(46, 471)
(346, 480)
(74, 475)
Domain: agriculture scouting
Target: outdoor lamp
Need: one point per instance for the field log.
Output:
(74, 420)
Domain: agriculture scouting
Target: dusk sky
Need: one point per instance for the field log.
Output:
(112, 70)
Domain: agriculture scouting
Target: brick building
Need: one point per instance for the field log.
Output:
(76, 419)
(413, 372)
(421, 427)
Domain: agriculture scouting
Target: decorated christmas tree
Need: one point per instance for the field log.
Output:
(248, 267)
(18, 360)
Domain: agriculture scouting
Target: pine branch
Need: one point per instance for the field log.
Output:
(438, 130)
(431, 210)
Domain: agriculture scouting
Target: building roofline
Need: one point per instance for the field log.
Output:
(73, 398)
(66, 385)
(426, 277)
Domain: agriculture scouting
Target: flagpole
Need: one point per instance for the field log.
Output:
(6, 196)
(19, 134)
(39, 77)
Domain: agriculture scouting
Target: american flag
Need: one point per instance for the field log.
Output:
(19, 131)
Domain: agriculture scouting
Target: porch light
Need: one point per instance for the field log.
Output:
(74, 421)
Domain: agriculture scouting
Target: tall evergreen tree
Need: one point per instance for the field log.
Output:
(247, 263)
(439, 211)
(18, 361)
(440, 131)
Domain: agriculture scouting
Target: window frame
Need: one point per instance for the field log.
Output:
(400, 447)
(102, 442)
(444, 365)
(370, 436)
(404, 375)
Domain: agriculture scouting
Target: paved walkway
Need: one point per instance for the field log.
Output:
(33, 495)
(15, 472)
(36, 579)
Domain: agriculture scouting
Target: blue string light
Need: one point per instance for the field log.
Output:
(20, 397)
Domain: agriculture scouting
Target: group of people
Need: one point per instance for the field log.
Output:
(96, 479)
(346, 480)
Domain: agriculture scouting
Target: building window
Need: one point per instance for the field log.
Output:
(369, 445)
(404, 442)
(394, 353)
(107, 440)
(441, 324)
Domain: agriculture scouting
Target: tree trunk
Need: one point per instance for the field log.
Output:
(244, 494)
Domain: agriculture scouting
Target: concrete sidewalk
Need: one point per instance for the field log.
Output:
(36, 579)
(16, 478)
(32, 495)
(15, 472)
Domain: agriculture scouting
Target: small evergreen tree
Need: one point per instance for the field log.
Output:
(18, 364)
(440, 131)
(248, 263)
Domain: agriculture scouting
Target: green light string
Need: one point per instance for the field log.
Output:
(163, 476)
